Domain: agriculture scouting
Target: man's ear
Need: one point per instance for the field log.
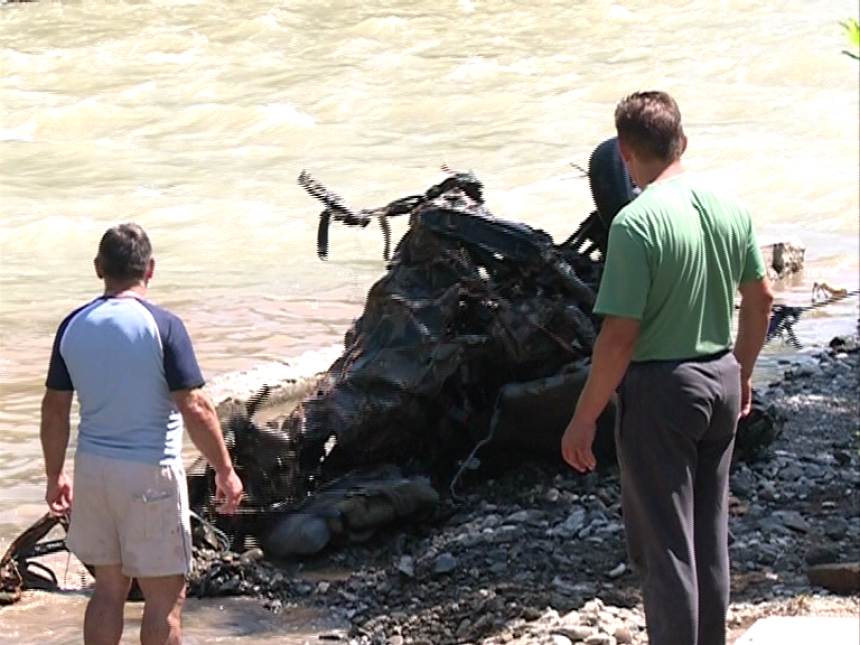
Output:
(626, 153)
(98, 266)
(683, 143)
(150, 270)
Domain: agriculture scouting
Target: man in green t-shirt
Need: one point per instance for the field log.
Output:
(676, 257)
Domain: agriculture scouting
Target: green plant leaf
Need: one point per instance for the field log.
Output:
(852, 30)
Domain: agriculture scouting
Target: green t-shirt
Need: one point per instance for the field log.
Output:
(676, 256)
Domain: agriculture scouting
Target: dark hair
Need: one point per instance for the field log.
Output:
(125, 252)
(650, 124)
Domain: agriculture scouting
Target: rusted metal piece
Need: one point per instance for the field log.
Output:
(336, 209)
(19, 569)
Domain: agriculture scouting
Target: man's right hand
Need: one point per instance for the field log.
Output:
(576, 444)
(228, 491)
(59, 494)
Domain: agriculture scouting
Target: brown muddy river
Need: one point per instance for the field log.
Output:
(195, 118)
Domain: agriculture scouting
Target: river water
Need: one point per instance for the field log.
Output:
(195, 118)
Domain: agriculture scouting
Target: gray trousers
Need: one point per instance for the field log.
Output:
(675, 437)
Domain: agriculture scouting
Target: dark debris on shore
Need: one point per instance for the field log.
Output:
(535, 553)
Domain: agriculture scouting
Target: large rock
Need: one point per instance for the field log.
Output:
(783, 259)
(801, 630)
(843, 578)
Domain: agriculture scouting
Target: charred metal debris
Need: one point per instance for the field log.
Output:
(474, 343)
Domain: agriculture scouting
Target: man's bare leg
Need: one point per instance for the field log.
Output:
(103, 619)
(162, 610)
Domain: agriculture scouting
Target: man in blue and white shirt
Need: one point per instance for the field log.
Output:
(137, 379)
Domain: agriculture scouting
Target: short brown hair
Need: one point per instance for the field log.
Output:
(650, 123)
(125, 252)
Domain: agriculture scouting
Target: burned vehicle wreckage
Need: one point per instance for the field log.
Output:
(475, 342)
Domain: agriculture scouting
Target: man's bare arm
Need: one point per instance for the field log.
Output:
(201, 421)
(753, 319)
(54, 429)
(54, 435)
(612, 353)
(204, 429)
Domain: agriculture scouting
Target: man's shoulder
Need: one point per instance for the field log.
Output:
(171, 329)
(161, 314)
(74, 313)
(661, 200)
(650, 202)
(636, 217)
(714, 188)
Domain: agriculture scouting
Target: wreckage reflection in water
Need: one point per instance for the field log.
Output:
(478, 336)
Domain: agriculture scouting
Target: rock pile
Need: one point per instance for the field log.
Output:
(536, 553)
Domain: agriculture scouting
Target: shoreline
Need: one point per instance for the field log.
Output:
(536, 551)
(539, 549)
(290, 381)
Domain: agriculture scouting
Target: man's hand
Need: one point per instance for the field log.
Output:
(59, 494)
(576, 444)
(228, 491)
(612, 352)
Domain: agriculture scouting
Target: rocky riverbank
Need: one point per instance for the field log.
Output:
(536, 553)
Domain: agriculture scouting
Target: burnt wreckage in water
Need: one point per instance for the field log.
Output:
(476, 340)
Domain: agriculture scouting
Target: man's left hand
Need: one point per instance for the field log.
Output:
(228, 491)
(59, 494)
(576, 444)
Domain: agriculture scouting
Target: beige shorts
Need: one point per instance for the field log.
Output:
(131, 514)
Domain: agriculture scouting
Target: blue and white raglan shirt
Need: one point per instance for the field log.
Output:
(124, 356)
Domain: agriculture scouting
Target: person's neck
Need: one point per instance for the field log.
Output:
(133, 290)
(657, 172)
